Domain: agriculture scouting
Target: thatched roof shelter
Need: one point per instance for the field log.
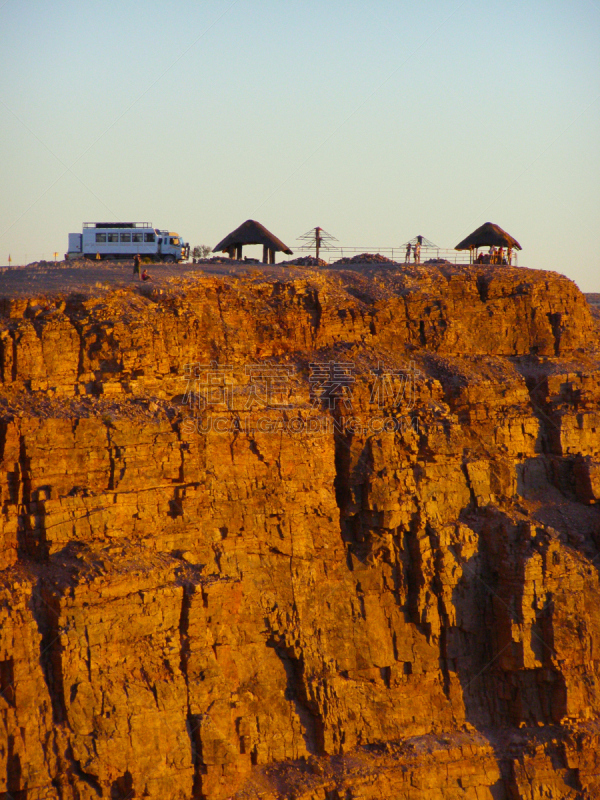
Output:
(488, 235)
(252, 232)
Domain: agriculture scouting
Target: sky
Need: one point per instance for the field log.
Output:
(377, 121)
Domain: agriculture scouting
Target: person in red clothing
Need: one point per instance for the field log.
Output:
(146, 276)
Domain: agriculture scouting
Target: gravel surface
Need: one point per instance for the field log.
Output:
(86, 276)
(91, 277)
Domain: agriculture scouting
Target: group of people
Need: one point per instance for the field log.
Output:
(145, 276)
(416, 251)
(495, 256)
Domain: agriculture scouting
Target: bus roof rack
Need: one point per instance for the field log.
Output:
(117, 224)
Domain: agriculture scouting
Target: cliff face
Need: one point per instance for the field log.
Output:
(324, 537)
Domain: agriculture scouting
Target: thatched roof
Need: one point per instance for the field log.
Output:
(488, 235)
(252, 232)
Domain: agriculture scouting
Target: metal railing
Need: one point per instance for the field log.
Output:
(397, 254)
(331, 255)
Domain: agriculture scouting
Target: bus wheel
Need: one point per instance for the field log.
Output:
(169, 259)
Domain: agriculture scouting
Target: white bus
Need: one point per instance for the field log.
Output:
(113, 240)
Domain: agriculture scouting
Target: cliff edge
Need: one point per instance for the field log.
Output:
(323, 535)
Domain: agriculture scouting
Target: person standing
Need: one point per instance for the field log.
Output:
(136, 264)
(407, 257)
(417, 252)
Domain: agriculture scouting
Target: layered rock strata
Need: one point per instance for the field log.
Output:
(323, 537)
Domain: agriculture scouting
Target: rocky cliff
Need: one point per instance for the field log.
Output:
(316, 535)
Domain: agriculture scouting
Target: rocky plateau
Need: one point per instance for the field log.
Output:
(321, 534)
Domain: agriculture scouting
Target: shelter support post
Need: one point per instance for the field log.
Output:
(265, 254)
(239, 252)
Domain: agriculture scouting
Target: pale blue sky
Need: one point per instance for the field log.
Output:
(376, 121)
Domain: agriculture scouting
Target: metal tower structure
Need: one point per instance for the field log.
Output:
(428, 245)
(318, 239)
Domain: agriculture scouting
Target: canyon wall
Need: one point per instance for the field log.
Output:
(327, 535)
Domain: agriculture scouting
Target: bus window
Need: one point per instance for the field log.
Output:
(148, 237)
(100, 237)
(125, 237)
(113, 237)
(175, 241)
(137, 237)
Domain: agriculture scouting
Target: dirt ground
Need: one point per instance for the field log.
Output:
(85, 276)
(66, 277)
